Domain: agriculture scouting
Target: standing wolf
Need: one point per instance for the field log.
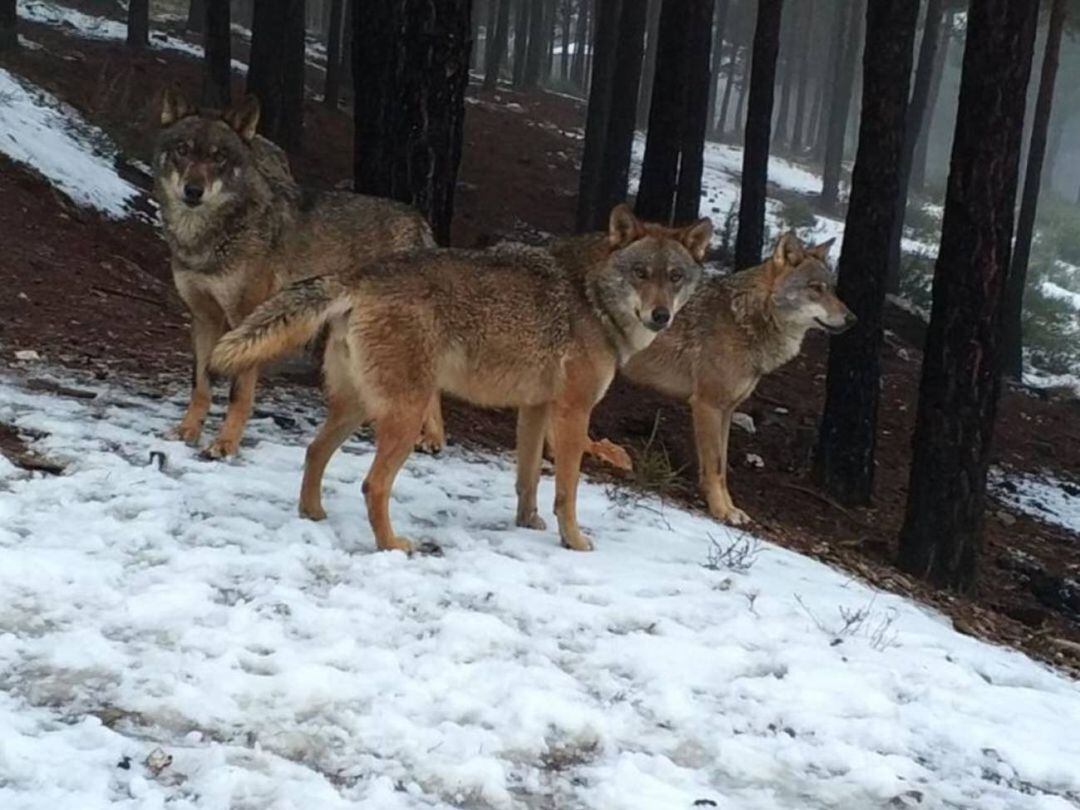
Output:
(542, 331)
(735, 330)
(239, 229)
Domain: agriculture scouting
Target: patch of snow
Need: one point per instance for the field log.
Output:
(1052, 290)
(284, 664)
(1043, 496)
(51, 137)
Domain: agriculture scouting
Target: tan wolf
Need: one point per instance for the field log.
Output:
(732, 332)
(540, 330)
(239, 229)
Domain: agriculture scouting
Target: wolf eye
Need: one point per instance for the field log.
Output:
(641, 271)
(676, 276)
(182, 148)
(817, 286)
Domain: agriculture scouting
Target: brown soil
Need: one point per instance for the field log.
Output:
(91, 293)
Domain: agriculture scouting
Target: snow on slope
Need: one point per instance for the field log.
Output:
(51, 137)
(284, 665)
(1044, 496)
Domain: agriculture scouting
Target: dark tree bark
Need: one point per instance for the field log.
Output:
(917, 176)
(410, 69)
(958, 395)
(609, 127)
(755, 168)
(334, 62)
(196, 18)
(566, 9)
(729, 85)
(521, 41)
(716, 60)
(844, 458)
(841, 31)
(802, 91)
(138, 23)
(788, 33)
(745, 67)
(1012, 339)
(648, 68)
(920, 97)
(678, 111)
(496, 46)
(217, 46)
(9, 35)
(581, 43)
(474, 32)
(841, 108)
(276, 72)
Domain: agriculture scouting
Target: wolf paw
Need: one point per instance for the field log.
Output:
(531, 521)
(221, 448)
(731, 515)
(315, 512)
(185, 433)
(396, 543)
(429, 445)
(576, 542)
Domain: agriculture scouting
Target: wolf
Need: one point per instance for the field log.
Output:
(732, 332)
(542, 330)
(239, 229)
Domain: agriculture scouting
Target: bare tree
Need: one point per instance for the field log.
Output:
(495, 52)
(334, 62)
(755, 166)
(276, 72)
(581, 44)
(217, 49)
(958, 395)
(840, 109)
(138, 23)
(196, 18)
(802, 91)
(917, 176)
(9, 34)
(410, 69)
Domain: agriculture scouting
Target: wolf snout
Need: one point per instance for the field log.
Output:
(660, 318)
(193, 194)
(849, 319)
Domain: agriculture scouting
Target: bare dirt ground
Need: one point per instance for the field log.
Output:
(93, 294)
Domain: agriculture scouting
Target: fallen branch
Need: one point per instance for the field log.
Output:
(825, 499)
(132, 296)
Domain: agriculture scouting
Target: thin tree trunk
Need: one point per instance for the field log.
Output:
(9, 33)
(840, 109)
(841, 28)
(729, 83)
(692, 144)
(744, 93)
(564, 57)
(347, 45)
(217, 46)
(788, 32)
(534, 53)
(196, 19)
(917, 178)
(648, 68)
(1012, 339)
(755, 168)
(411, 68)
(138, 23)
(521, 41)
(920, 96)
(276, 73)
(496, 49)
(716, 62)
(958, 395)
(474, 32)
(802, 91)
(581, 44)
(844, 458)
(332, 88)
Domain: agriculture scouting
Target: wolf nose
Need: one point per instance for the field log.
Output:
(192, 194)
(850, 320)
(661, 316)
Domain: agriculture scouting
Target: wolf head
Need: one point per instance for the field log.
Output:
(804, 289)
(652, 270)
(202, 158)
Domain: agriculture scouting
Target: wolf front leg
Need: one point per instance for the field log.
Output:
(571, 435)
(206, 328)
(241, 398)
(712, 424)
(532, 426)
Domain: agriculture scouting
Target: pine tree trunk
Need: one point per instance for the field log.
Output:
(788, 34)
(534, 52)
(725, 103)
(840, 109)
(755, 168)
(1012, 339)
(609, 128)
(411, 68)
(917, 178)
(744, 93)
(958, 395)
(346, 45)
(196, 19)
(920, 96)
(841, 30)
(581, 44)
(802, 91)
(521, 41)
(217, 44)
(474, 32)
(496, 46)
(716, 62)
(138, 23)
(696, 105)
(9, 34)
(564, 58)
(844, 458)
(334, 63)
(276, 72)
(648, 69)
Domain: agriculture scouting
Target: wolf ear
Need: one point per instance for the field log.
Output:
(174, 107)
(623, 227)
(695, 238)
(821, 251)
(789, 251)
(244, 117)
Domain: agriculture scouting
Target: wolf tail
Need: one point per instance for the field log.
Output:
(286, 321)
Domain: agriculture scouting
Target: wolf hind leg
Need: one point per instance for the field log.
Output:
(396, 427)
(344, 417)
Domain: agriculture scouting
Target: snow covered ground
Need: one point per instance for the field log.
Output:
(40, 131)
(1044, 496)
(283, 664)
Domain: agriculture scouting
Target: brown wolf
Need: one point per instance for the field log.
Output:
(239, 229)
(539, 330)
(732, 332)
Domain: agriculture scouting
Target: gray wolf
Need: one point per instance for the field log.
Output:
(239, 229)
(540, 330)
(732, 332)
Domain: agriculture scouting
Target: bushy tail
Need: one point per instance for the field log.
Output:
(286, 321)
